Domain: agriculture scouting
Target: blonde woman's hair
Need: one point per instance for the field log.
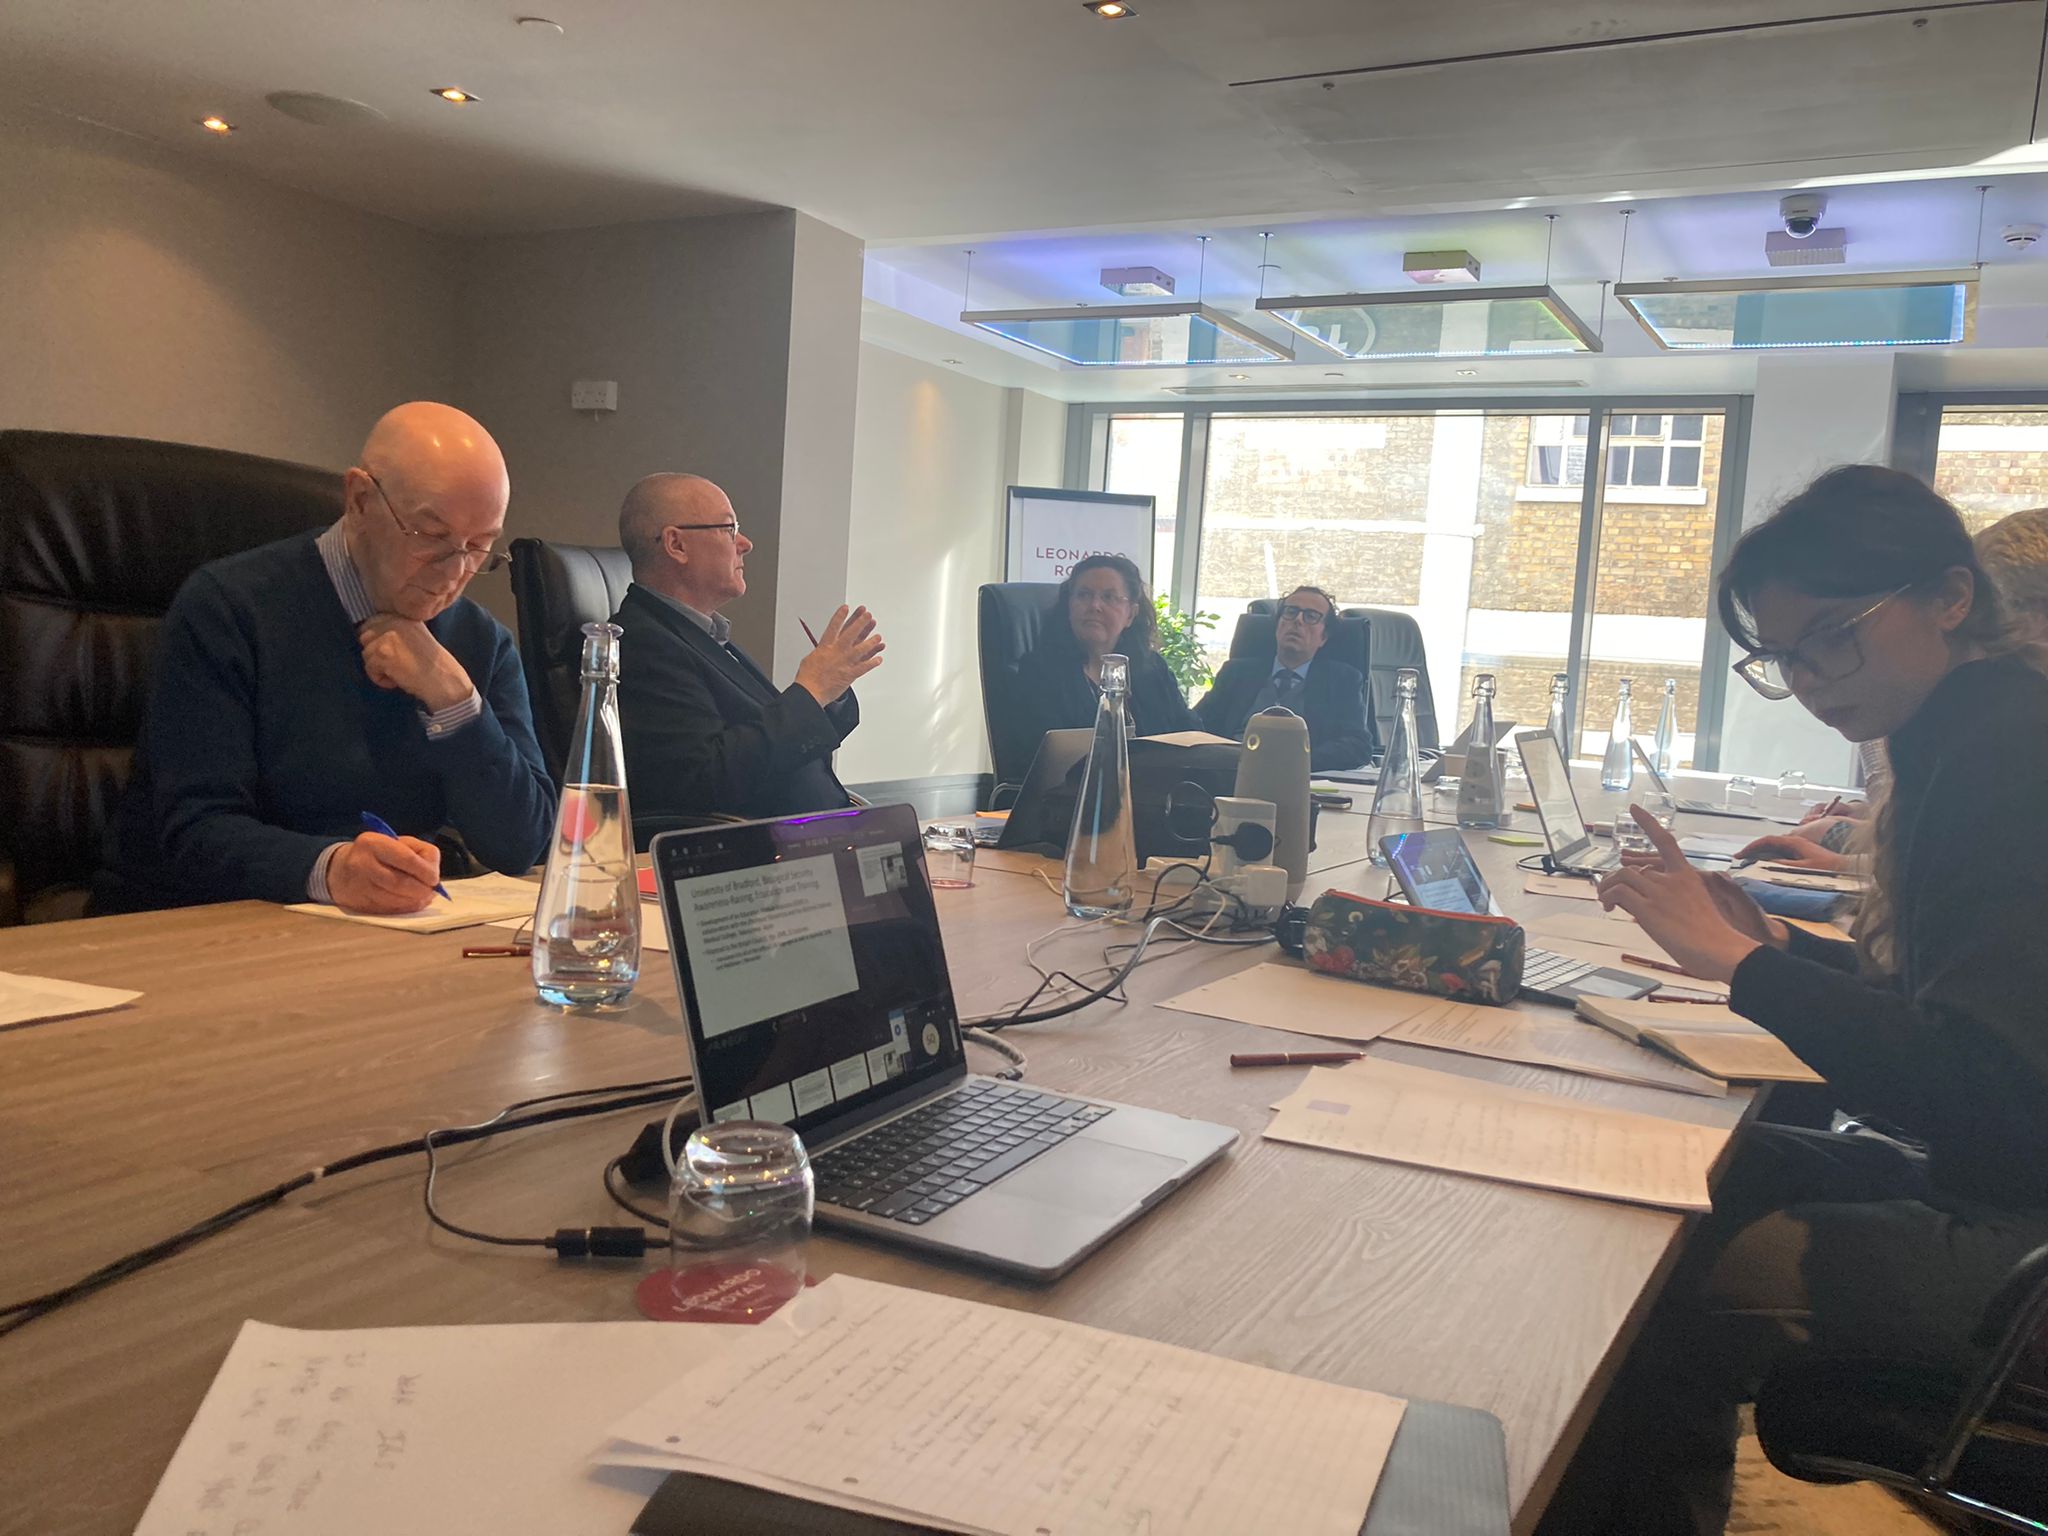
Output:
(2014, 553)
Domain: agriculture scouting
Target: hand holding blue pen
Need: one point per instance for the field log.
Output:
(378, 824)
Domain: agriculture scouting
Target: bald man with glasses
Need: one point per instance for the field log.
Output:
(303, 684)
(707, 732)
(1327, 694)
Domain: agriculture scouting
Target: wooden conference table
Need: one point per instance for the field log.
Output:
(269, 1042)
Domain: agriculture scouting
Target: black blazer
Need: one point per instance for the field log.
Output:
(1332, 702)
(1054, 694)
(707, 732)
(1954, 1049)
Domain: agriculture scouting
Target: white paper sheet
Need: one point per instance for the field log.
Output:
(1285, 994)
(33, 999)
(471, 903)
(401, 1430)
(984, 1419)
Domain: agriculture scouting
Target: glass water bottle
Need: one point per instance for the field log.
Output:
(1397, 802)
(586, 930)
(1479, 790)
(1666, 754)
(1618, 766)
(1102, 856)
(1559, 728)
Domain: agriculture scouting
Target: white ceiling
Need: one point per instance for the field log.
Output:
(921, 120)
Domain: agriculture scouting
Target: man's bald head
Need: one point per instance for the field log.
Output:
(682, 535)
(430, 483)
(436, 450)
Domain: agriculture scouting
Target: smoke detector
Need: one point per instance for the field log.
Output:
(2020, 237)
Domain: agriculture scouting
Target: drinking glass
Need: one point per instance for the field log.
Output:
(949, 855)
(739, 1221)
(1741, 793)
(1792, 786)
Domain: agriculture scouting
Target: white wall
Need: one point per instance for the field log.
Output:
(147, 293)
(1810, 413)
(932, 454)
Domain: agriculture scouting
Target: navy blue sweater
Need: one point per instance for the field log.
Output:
(263, 741)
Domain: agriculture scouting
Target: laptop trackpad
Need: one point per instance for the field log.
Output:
(1097, 1177)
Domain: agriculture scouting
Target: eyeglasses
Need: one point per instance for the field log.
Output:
(1827, 655)
(731, 525)
(1312, 617)
(432, 549)
(1086, 597)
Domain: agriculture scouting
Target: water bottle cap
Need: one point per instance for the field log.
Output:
(601, 650)
(1116, 673)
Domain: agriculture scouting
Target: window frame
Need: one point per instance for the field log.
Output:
(1088, 462)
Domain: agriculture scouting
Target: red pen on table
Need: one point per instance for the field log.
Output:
(1686, 997)
(1295, 1058)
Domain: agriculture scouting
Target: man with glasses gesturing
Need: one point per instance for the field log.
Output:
(706, 730)
(1327, 694)
(302, 684)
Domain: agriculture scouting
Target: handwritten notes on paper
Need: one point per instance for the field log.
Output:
(471, 903)
(33, 999)
(417, 1429)
(1402, 1114)
(984, 1419)
(1290, 996)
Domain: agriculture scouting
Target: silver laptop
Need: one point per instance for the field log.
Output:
(1436, 870)
(815, 993)
(1572, 848)
(1690, 807)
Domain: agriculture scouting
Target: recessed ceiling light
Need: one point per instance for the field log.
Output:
(1109, 10)
(1239, 378)
(541, 25)
(1333, 375)
(456, 94)
(213, 122)
(950, 362)
(1468, 373)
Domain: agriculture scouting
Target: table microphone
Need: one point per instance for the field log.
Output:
(1274, 767)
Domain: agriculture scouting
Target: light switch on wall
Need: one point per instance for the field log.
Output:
(594, 395)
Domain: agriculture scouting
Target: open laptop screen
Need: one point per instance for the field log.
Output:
(1550, 783)
(808, 954)
(1436, 870)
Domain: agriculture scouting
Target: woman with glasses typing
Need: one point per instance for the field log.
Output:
(1102, 610)
(1863, 600)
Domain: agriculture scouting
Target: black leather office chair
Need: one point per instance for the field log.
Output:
(1350, 642)
(1010, 615)
(1397, 643)
(1974, 1443)
(559, 588)
(96, 536)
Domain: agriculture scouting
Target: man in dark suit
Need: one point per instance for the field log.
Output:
(705, 729)
(1327, 694)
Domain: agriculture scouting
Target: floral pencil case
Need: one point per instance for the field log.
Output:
(1451, 954)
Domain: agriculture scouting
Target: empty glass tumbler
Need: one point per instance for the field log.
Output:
(739, 1218)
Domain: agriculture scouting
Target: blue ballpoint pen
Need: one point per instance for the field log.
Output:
(377, 823)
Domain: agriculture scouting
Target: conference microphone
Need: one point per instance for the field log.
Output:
(1274, 767)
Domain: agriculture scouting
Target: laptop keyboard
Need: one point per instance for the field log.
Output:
(1544, 970)
(922, 1164)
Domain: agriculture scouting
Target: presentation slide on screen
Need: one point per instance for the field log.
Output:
(766, 941)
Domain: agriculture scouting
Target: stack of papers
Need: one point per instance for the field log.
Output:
(981, 1419)
(471, 903)
(1546, 1038)
(1285, 994)
(32, 999)
(1709, 1036)
(945, 1413)
(1401, 1114)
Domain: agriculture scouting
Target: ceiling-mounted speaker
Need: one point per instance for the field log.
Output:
(324, 111)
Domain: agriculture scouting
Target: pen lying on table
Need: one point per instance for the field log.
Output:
(1295, 1058)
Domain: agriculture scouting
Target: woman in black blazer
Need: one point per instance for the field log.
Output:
(1102, 609)
(1863, 599)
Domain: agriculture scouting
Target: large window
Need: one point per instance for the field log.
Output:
(1476, 522)
(1991, 460)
